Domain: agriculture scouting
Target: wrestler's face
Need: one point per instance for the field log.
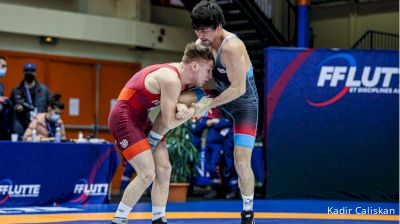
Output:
(202, 72)
(207, 36)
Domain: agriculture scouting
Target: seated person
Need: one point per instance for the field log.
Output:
(45, 124)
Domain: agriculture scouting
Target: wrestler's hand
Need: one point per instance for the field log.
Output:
(202, 107)
(182, 111)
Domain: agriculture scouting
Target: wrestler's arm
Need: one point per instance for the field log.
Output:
(187, 98)
(234, 58)
(166, 119)
(191, 96)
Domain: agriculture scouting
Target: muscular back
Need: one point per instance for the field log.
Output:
(140, 94)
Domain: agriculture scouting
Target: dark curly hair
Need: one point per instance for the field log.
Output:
(207, 14)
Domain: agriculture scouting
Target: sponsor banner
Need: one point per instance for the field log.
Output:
(53, 174)
(332, 123)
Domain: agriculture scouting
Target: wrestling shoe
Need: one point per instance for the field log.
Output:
(248, 217)
(161, 220)
(117, 220)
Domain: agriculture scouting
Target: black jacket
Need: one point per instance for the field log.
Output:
(19, 96)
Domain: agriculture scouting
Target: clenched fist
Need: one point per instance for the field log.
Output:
(202, 107)
(182, 111)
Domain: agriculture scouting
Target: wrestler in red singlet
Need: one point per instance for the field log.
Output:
(128, 120)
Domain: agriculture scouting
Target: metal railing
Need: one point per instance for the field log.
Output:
(291, 22)
(287, 12)
(375, 40)
(266, 6)
(263, 24)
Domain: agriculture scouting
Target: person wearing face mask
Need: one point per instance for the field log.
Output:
(3, 71)
(29, 97)
(6, 109)
(45, 124)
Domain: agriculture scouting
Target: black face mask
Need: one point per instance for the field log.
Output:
(29, 78)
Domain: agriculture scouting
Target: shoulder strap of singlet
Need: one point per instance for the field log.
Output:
(170, 67)
(222, 44)
(152, 68)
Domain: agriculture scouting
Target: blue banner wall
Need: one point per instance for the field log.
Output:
(51, 173)
(332, 124)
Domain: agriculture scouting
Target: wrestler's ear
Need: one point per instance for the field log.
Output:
(194, 66)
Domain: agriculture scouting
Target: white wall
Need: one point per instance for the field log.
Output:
(27, 43)
(127, 9)
(112, 37)
(170, 16)
(71, 5)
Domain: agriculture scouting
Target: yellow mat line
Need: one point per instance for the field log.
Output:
(41, 218)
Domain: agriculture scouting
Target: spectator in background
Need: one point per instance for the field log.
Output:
(214, 148)
(3, 71)
(197, 129)
(29, 97)
(45, 124)
(6, 109)
(229, 175)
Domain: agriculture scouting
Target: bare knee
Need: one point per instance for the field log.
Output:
(242, 156)
(163, 166)
(242, 167)
(242, 164)
(164, 172)
(147, 177)
(164, 169)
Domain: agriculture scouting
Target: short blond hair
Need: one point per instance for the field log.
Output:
(195, 51)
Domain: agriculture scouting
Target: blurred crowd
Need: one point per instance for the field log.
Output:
(213, 136)
(31, 112)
